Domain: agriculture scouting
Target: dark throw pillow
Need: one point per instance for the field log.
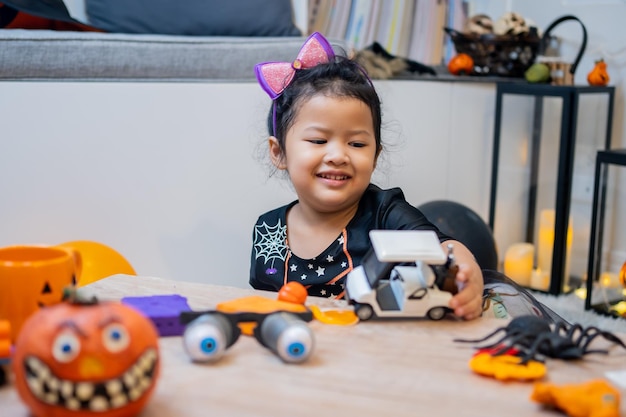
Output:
(194, 17)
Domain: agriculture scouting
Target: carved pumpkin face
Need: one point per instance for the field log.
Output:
(79, 360)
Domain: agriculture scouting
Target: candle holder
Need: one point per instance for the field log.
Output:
(606, 290)
(548, 167)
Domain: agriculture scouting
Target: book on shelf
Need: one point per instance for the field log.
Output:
(406, 28)
(357, 25)
(438, 34)
(457, 16)
(372, 24)
(417, 43)
(339, 17)
(301, 15)
(384, 21)
(320, 15)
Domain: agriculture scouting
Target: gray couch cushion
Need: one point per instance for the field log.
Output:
(43, 54)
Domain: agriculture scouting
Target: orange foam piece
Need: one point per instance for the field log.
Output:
(506, 367)
(595, 398)
(257, 304)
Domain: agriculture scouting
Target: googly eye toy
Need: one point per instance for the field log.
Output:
(278, 325)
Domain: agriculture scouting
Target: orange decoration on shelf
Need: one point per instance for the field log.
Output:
(461, 64)
(622, 275)
(598, 76)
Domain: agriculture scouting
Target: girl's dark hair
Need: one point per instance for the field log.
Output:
(342, 77)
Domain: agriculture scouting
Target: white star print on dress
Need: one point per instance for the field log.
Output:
(320, 271)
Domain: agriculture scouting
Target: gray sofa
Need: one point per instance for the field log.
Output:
(47, 55)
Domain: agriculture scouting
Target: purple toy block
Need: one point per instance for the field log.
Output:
(163, 310)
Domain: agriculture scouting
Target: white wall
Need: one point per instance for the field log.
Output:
(163, 172)
(172, 174)
(169, 173)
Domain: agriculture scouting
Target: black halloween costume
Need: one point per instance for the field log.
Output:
(273, 264)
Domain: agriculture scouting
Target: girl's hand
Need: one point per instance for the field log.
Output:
(468, 302)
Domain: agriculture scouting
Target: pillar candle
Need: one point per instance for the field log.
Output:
(546, 240)
(518, 262)
(539, 280)
(545, 245)
(610, 280)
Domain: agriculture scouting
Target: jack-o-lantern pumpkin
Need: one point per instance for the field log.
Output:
(79, 360)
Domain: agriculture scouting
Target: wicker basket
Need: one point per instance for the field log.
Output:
(503, 56)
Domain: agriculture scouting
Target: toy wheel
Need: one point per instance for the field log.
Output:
(437, 313)
(364, 311)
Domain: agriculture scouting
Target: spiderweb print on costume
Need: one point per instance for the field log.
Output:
(269, 244)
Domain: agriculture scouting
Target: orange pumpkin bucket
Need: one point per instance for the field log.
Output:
(32, 277)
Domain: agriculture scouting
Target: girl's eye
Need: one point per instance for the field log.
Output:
(317, 141)
(115, 337)
(65, 347)
(358, 144)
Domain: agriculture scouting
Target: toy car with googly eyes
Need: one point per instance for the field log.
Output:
(406, 274)
(277, 325)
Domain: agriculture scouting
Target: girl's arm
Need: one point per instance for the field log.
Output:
(468, 302)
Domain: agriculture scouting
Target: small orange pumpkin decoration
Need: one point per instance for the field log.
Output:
(293, 292)
(461, 64)
(598, 76)
(82, 359)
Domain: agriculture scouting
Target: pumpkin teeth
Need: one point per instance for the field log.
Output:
(92, 396)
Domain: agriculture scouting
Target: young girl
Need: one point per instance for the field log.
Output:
(325, 127)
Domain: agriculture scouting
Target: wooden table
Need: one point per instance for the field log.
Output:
(375, 368)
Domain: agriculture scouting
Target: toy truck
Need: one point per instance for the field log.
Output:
(406, 274)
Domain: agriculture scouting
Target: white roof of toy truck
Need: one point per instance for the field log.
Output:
(407, 246)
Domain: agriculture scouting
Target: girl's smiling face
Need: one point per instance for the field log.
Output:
(330, 152)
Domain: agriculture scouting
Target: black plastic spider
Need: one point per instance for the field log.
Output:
(535, 338)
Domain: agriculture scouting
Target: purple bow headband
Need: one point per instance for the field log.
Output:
(274, 77)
